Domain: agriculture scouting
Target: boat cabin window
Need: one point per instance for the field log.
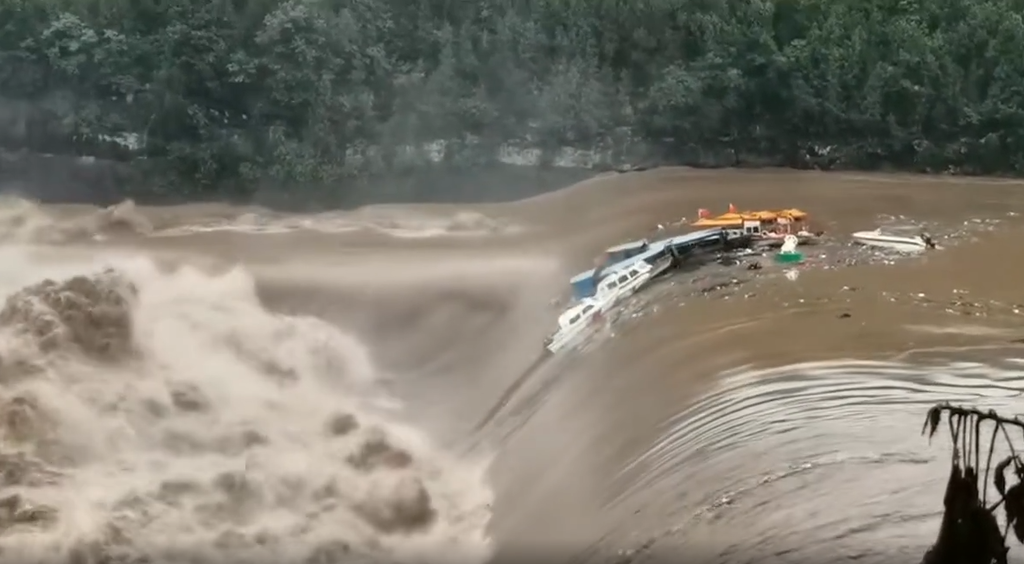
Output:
(574, 319)
(623, 279)
(586, 309)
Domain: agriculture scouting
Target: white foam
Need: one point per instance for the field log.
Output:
(248, 467)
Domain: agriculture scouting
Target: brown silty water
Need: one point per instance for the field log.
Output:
(368, 385)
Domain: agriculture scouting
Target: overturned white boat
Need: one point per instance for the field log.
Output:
(582, 318)
(902, 243)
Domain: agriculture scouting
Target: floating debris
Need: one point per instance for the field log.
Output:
(730, 269)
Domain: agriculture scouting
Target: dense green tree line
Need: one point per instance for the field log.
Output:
(227, 92)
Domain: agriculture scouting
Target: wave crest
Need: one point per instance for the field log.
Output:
(90, 313)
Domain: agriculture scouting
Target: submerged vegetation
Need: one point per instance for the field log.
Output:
(218, 94)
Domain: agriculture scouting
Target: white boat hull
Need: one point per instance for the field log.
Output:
(566, 339)
(571, 336)
(606, 301)
(894, 242)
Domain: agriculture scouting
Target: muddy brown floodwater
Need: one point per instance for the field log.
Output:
(367, 386)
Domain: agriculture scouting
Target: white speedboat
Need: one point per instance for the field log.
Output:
(896, 242)
(620, 283)
(581, 319)
(574, 324)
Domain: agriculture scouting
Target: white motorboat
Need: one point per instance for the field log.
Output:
(896, 242)
(581, 319)
(617, 284)
(574, 324)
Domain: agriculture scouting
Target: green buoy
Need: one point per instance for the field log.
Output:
(789, 258)
(788, 254)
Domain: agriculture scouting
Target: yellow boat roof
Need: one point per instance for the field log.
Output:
(716, 222)
(760, 215)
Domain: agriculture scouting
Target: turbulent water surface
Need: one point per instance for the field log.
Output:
(197, 383)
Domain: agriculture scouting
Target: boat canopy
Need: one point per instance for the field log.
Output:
(737, 218)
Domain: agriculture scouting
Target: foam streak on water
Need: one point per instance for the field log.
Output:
(170, 416)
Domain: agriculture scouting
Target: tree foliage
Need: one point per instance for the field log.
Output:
(215, 93)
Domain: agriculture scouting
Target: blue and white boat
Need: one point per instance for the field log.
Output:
(581, 319)
(661, 255)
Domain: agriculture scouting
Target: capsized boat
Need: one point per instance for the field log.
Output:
(900, 243)
(581, 319)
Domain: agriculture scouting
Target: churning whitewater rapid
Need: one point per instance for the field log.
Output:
(203, 382)
(166, 413)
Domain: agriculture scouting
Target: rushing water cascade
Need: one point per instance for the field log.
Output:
(209, 382)
(169, 415)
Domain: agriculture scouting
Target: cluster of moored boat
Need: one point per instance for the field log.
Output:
(765, 227)
(627, 268)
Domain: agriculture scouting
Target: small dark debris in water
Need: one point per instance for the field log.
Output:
(1017, 341)
(721, 285)
(844, 316)
(850, 289)
(754, 265)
